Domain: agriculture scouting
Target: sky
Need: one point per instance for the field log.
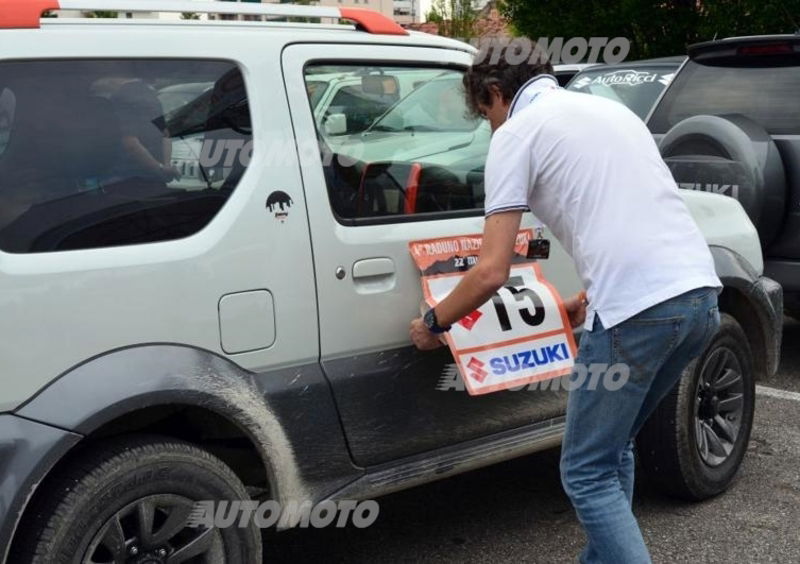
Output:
(424, 7)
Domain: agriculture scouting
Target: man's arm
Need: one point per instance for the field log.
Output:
(481, 282)
(491, 272)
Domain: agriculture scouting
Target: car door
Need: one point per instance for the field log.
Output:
(393, 400)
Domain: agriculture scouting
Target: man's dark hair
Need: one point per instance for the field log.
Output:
(493, 69)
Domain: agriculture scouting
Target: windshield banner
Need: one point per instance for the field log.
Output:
(522, 335)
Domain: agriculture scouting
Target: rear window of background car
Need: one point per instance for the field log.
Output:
(116, 152)
(769, 96)
(638, 88)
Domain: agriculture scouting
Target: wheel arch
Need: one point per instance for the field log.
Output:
(756, 304)
(172, 390)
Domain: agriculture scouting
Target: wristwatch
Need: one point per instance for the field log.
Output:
(433, 324)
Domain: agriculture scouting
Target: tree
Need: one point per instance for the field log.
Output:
(101, 14)
(655, 27)
(190, 16)
(456, 18)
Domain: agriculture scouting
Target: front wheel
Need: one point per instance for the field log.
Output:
(132, 502)
(693, 444)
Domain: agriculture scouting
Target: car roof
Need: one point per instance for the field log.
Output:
(295, 32)
(728, 47)
(369, 26)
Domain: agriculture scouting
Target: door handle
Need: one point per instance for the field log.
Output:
(373, 268)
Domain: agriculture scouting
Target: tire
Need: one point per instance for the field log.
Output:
(116, 483)
(677, 452)
(735, 156)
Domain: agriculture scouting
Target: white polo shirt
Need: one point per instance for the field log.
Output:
(590, 170)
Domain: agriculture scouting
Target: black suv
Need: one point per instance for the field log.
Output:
(730, 123)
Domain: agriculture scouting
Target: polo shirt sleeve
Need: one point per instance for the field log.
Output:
(508, 174)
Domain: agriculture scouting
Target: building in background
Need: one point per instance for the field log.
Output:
(385, 7)
(407, 12)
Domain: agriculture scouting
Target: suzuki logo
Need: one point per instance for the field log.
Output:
(476, 370)
(469, 321)
(731, 190)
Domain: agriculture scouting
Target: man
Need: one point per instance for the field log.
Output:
(146, 146)
(590, 170)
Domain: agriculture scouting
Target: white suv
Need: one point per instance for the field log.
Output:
(243, 332)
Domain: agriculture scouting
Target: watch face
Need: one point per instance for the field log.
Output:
(430, 320)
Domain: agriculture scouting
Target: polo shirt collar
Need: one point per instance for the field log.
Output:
(530, 91)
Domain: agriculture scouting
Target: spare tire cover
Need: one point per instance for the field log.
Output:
(734, 156)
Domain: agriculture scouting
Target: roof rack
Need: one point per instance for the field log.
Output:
(26, 14)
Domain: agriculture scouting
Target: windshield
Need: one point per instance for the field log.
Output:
(637, 87)
(316, 89)
(437, 105)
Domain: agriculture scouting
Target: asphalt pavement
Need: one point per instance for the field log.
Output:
(517, 511)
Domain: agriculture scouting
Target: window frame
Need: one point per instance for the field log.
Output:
(387, 219)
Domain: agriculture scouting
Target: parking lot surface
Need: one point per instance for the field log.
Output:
(517, 511)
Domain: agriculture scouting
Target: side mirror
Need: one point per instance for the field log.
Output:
(336, 124)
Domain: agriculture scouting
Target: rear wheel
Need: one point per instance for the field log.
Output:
(693, 444)
(131, 502)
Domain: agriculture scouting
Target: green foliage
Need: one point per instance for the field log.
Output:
(101, 14)
(456, 18)
(655, 28)
(190, 16)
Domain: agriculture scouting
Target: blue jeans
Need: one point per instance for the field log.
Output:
(597, 462)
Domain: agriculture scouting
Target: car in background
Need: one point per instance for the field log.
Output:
(730, 124)
(565, 73)
(347, 102)
(637, 84)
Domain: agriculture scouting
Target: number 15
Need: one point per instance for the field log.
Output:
(519, 295)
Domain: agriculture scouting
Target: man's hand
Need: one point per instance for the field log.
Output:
(422, 337)
(576, 309)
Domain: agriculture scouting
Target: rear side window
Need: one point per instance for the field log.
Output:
(397, 143)
(8, 105)
(110, 153)
(768, 96)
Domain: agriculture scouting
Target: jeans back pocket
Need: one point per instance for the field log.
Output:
(645, 344)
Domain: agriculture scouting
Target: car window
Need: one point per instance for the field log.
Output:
(316, 90)
(8, 105)
(360, 108)
(767, 95)
(174, 97)
(637, 87)
(420, 157)
(436, 105)
(108, 153)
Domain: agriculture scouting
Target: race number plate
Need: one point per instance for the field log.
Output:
(522, 335)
